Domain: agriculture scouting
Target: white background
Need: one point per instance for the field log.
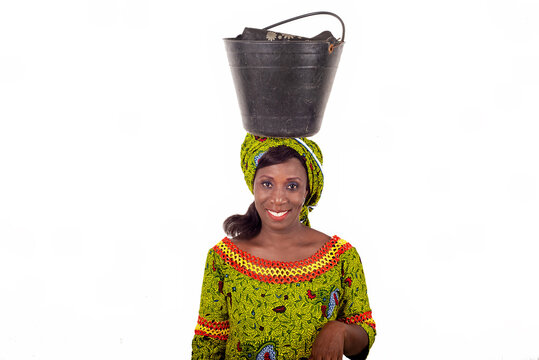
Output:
(119, 160)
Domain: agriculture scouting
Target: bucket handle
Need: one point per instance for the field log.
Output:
(305, 15)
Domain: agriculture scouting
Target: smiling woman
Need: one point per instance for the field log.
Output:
(280, 191)
(275, 288)
(263, 185)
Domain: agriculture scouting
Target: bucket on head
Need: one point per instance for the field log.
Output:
(283, 81)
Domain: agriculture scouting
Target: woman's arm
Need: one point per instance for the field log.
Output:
(337, 339)
(355, 324)
(355, 341)
(212, 328)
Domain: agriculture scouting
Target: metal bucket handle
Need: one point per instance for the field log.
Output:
(306, 15)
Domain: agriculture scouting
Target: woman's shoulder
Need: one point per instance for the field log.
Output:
(222, 244)
(348, 252)
(224, 240)
(341, 249)
(324, 239)
(217, 250)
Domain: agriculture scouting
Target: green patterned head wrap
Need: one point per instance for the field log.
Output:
(254, 147)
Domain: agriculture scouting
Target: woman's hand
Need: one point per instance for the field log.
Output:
(337, 339)
(329, 344)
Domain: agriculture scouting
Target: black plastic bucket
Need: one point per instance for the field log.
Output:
(283, 86)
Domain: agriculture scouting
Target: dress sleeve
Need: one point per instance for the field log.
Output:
(355, 308)
(212, 329)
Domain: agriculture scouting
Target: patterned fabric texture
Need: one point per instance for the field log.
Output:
(256, 309)
(254, 147)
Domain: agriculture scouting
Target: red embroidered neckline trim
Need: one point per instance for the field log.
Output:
(283, 272)
(272, 263)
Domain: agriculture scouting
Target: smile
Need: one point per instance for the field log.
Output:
(277, 215)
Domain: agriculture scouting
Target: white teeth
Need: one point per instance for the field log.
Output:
(278, 214)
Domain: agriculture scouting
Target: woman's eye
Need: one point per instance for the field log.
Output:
(293, 186)
(266, 184)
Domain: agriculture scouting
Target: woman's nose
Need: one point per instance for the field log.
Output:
(279, 196)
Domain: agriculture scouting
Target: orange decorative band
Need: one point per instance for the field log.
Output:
(283, 272)
(214, 329)
(365, 318)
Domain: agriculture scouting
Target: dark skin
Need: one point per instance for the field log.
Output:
(280, 191)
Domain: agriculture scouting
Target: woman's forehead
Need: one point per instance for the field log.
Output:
(291, 168)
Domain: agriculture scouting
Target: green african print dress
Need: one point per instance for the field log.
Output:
(257, 309)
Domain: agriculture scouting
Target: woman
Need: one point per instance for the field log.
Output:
(276, 288)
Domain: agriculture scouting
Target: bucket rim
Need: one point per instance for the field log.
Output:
(295, 42)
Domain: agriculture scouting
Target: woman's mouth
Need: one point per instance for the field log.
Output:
(277, 215)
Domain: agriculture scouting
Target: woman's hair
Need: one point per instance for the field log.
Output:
(248, 225)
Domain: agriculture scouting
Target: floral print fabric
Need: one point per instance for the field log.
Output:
(255, 309)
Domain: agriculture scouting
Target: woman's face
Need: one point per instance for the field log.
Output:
(280, 192)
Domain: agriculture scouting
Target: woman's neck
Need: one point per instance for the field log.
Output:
(282, 239)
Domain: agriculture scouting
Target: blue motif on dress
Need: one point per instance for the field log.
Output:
(333, 302)
(269, 350)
